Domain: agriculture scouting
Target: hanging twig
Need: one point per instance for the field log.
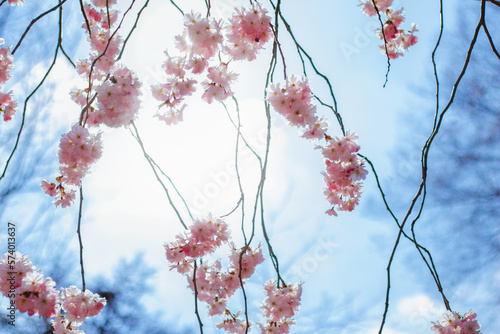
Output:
(78, 231)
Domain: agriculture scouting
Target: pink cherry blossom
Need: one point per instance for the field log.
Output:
(396, 41)
(249, 30)
(202, 35)
(344, 173)
(118, 99)
(279, 306)
(218, 86)
(81, 304)
(454, 323)
(294, 102)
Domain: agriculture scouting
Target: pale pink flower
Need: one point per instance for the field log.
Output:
(249, 30)
(16, 2)
(344, 173)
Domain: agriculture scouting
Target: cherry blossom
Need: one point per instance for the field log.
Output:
(344, 173)
(7, 104)
(294, 102)
(81, 304)
(248, 31)
(78, 150)
(454, 323)
(218, 86)
(279, 306)
(118, 99)
(396, 40)
(214, 284)
(203, 35)
(36, 295)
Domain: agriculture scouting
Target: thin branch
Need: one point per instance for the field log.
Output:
(87, 23)
(107, 46)
(385, 43)
(148, 158)
(209, 6)
(107, 13)
(196, 299)
(301, 51)
(33, 22)
(275, 31)
(66, 55)
(492, 44)
(23, 118)
(131, 30)
(178, 8)
(433, 59)
(78, 231)
(173, 186)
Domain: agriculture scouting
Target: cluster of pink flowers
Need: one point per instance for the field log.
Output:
(398, 40)
(344, 169)
(78, 150)
(204, 236)
(218, 87)
(112, 98)
(280, 305)
(104, 49)
(201, 40)
(118, 99)
(213, 284)
(7, 105)
(116, 87)
(30, 292)
(248, 32)
(454, 323)
(344, 173)
(294, 102)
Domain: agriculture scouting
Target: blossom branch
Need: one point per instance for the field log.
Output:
(85, 18)
(385, 42)
(107, 46)
(301, 51)
(275, 30)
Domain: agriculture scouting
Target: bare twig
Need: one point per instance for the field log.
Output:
(196, 298)
(178, 8)
(131, 30)
(86, 19)
(385, 43)
(33, 22)
(150, 161)
(78, 231)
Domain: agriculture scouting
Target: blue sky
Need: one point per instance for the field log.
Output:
(340, 260)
